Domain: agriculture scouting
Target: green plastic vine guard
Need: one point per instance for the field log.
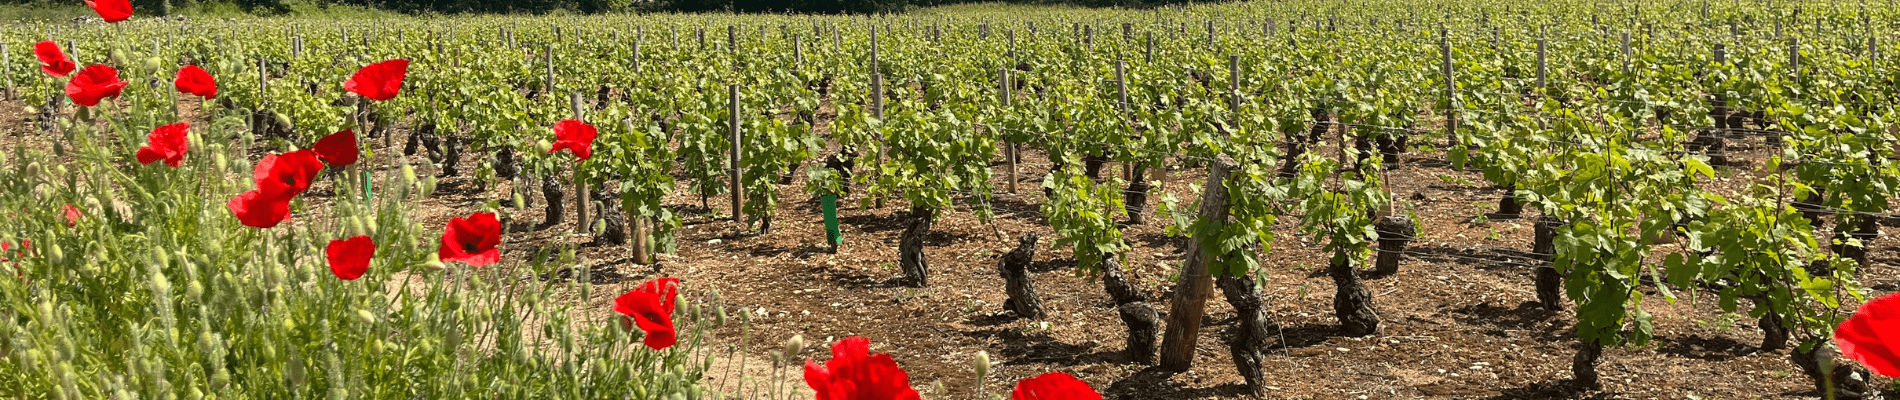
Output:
(832, 235)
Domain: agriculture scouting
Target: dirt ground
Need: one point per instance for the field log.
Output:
(1460, 318)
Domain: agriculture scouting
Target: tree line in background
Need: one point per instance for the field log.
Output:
(272, 7)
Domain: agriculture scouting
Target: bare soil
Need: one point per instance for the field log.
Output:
(1460, 318)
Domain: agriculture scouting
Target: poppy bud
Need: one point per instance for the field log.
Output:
(356, 224)
(520, 203)
(719, 318)
(795, 346)
(428, 185)
(118, 57)
(366, 316)
(61, 169)
(293, 371)
(283, 119)
(543, 145)
(982, 364)
(67, 124)
(55, 253)
(194, 291)
(164, 259)
(161, 287)
(152, 63)
(409, 174)
(31, 110)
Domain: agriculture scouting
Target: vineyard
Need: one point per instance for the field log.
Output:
(1297, 199)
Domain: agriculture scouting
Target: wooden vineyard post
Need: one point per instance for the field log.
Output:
(798, 49)
(580, 186)
(1012, 45)
(1451, 91)
(1121, 93)
(732, 39)
(877, 111)
(638, 39)
(1794, 59)
(1189, 304)
(1233, 85)
(263, 83)
(549, 87)
(1542, 71)
(1003, 86)
(1626, 52)
(1210, 36)
(732, 117)
(1149, 56)
(6, 59)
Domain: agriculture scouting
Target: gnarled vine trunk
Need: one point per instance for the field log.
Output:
(1549, 282)
(1144, 325)
(1394, 233)
(1092, 166)
(614, 226)
(1117, 285)
(1353, 303)
(1508, 207)
(507, 166)
(1135, 199)
(910, 248)
(551, 191)
(451, 156)
(1296, 145)
(1865, 228)
(1250, 334)
(1584, 364)
(1014, 267)
(1847, 380)
(1774, 335)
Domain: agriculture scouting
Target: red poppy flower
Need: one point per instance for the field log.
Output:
(646, 310)
(472, 240)
(257, 209)
(650, 306)
(1872, 336)
(283, 176)
(574, 135)
(195, 81)
(339, 149)
(855, 374)
(52, 60)
(112, 10)
(349, 258)
(72, 216)
(379, 81)
(97, 81)
(166, 143)
(1054, 386)
(667, 288)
